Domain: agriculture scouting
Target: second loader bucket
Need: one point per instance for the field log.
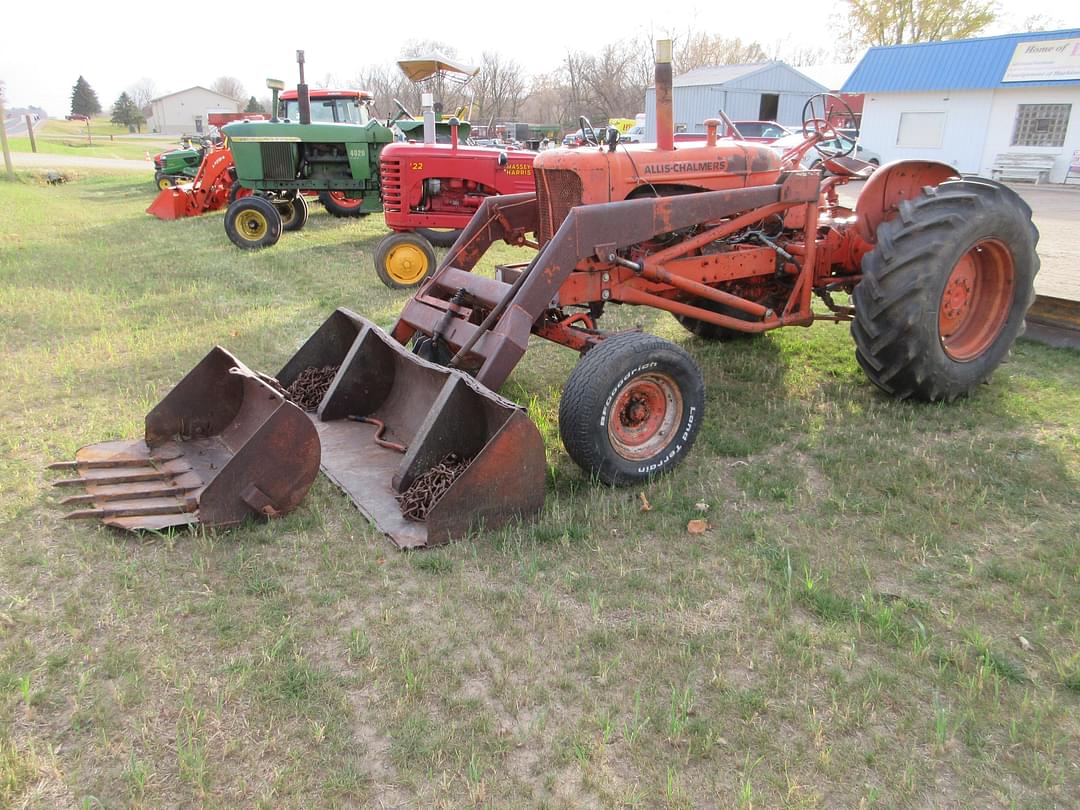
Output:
(171, 203)
(221, 446)
(426, 452)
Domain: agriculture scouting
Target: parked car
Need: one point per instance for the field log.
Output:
(761, 131)
(636, 134)
(76, 117)
(812, 159)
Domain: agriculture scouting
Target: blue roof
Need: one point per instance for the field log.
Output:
(958, 64)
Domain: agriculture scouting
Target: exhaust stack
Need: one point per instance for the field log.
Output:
(665, 118)
(302, 98)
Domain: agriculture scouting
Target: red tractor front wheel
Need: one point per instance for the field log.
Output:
(945, 291)
(631, 408)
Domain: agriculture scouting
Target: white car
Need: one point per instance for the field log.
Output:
(812, 159)
(633, 135)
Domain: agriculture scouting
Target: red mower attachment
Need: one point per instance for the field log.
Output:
(209, 191)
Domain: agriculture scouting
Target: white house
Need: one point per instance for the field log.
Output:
(976, 104)
(185, 111)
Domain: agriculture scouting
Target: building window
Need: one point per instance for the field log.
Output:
(921, 130)
(1041, 124)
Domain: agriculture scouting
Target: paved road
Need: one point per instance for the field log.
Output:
(43, 161)
(1056, 213)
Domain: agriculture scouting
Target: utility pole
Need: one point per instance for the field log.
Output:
(4, 144)
(30, 130)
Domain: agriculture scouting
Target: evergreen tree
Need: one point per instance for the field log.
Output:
(84, 100)
(253, 106)
(126, 112)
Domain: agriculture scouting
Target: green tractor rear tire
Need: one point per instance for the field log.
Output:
(253, 223)
(440, 238)
(294, 213)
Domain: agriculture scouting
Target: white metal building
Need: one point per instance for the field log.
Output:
(185, 111)
(766, 91)
(987, 106)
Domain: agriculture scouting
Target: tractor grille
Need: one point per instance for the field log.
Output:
(390, 179)
(277, 160)
(557, 191)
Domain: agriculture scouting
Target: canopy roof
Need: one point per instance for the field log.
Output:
(420, 68)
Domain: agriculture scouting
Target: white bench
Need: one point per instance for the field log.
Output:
(1014, 166)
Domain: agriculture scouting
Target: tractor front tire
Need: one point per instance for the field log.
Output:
(631, 408)
(403, 260)
(944, 292)
(338, 205)
(443, 239)
(253, 223)
(162, 181)
(294, 213)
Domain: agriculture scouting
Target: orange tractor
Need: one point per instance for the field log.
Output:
(728, 236)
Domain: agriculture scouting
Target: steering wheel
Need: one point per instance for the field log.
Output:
(821, 125)
(403, 111)
(587, 131)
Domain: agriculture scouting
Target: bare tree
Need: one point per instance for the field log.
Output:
(498, 91)
(142, 93)
(699, 49)
(1041, 22)
(230, 86)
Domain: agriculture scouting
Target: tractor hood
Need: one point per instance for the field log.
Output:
(283, 132)
(414, 130)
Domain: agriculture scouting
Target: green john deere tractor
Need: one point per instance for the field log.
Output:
(179, 165)
(282, 160)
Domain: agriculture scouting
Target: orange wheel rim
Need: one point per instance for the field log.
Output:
(644, 416)
(976, 300)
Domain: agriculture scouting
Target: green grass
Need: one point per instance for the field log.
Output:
(107, 140)
(845, 635)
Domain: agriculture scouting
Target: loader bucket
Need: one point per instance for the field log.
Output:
(171, 203)
(222, 445)
(398, 431)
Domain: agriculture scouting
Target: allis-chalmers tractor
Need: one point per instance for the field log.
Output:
(429, 191)
(727, 236)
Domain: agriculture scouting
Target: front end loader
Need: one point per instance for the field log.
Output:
(934, 273)
(210, 189)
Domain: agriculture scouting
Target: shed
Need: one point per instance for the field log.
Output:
(763, 91)
(1003, 107)
(186, 112)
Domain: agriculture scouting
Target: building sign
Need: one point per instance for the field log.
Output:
(1044, 60)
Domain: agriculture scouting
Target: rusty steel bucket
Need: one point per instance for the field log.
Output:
(391, 424)
(221, 446)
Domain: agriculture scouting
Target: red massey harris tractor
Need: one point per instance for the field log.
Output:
(727, 236)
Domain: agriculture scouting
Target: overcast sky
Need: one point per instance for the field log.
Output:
(45, 47)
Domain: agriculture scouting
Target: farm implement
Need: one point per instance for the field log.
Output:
(934, 273)
(212, 188)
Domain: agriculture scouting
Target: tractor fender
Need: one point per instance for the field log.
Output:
(894, 182)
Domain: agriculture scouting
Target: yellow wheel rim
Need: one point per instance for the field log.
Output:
(164, 183)
(252, 225)
(406, 264)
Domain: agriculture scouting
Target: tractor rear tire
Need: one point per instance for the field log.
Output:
(443, 239)
(253, 223)
(294, 213)
(403, 260)
(162, 181)
(944, 292)
(631, 408)
(710, 331)
(340, 205)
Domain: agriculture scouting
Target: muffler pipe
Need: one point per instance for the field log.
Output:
(665, 116)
